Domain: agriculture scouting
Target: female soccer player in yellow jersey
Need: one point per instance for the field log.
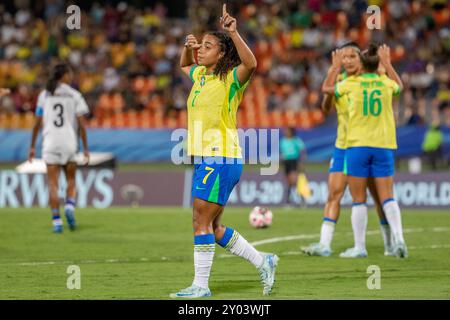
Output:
(348, 57)
(225, 65)
(371, 142)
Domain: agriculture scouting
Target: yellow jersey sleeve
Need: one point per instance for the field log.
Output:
(395, 87)
(341, 88)
(342, 76)
(194, 72)
(233, 79)
(391, 84)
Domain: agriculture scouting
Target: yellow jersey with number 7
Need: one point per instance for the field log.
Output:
(371, 121)
(212, 106)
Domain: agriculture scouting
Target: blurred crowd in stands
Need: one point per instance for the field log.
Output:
(125, 56)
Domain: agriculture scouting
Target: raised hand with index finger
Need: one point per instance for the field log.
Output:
(227, 22)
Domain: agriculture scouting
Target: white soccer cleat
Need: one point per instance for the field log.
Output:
(192, 292)
(317, 249)
(354, 253)
(389, 252)
(267, 272)
(400, 250)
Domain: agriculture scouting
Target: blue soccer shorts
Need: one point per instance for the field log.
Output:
(215, 177)
(370, 162)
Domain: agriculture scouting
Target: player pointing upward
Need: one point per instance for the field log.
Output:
(225, 65)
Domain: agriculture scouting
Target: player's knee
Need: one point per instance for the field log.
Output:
(53, 189)
(335, 195)
(200, 219)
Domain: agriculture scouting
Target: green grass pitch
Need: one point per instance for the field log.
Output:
(146, 253)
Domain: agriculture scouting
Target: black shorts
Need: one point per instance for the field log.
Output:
(290, 166)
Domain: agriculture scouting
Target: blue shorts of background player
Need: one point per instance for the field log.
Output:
(338, 163)
(366, 162)
(215, 177)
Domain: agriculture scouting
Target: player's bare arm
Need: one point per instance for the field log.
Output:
(187, 55)
(337, 57)
(327, 100)
(384, 52)
(36, 127)
(82, 129)
(327, 103)
(248, 60)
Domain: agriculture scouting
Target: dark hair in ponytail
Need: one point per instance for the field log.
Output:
(230, 57)
(370, 59)
(57, 73)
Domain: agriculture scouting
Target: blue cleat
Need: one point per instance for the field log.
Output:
(192, 292)
(317, 249)
(70, 217)
(267, 272)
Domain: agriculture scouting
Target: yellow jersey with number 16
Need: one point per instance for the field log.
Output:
(212, 106)
(371, 121)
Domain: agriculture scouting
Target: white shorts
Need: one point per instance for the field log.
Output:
(58, 158)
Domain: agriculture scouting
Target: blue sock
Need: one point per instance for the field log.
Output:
(70, 203)
(229, 238)
(325, 219)
(55, 213)
(56, 218)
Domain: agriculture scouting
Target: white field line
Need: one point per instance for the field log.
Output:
(255, 243)
(369, 233)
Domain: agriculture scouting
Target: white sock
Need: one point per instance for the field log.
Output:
(70, 205)
(57, 222)
(245, 250)
(56, 218)
(386, 234)
(359, 225)
(393, 216)
(203, 262)
(326, 232)
(237, 245)
(203, 259)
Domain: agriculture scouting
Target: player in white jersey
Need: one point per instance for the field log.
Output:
(60, 111)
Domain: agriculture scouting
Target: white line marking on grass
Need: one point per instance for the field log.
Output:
(297, 253)
(433, 246)
(255, 243)
(288, 238)
(316, 235)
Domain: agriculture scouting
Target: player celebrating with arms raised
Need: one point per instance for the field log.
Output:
(348, 56)
(371, 141)
(60, 109)
(225, 65)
